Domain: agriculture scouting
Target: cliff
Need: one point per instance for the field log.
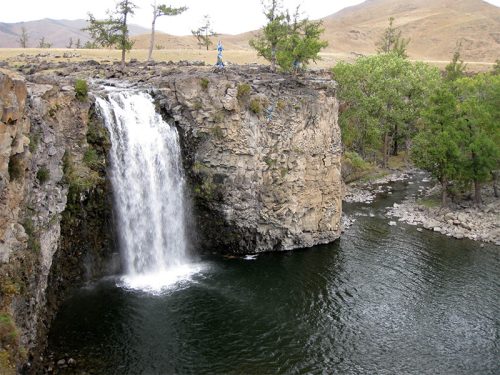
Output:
(46, 188)
(261, 153)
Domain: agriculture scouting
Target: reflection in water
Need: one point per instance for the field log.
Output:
(381, 300)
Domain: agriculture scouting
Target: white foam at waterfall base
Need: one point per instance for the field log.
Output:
(148, 189)
(160, 282)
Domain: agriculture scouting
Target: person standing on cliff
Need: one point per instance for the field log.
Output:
(219, 64)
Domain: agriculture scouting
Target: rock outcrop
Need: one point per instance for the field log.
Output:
(263, 154)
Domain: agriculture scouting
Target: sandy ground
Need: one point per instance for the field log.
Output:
(328, 59)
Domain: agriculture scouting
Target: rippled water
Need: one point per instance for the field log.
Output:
(381, 300)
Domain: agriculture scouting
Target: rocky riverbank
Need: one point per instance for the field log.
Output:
(461, 220)
(476, 223)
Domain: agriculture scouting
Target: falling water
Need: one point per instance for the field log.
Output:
(148, 187)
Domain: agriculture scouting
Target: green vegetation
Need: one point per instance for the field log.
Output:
(33, 241)
(204, 83)
(204, 33)
(255, 106)
(392, 41)
(43, 175)
(217, 132)
(449, 125)
(159, 11)
(287, 40)
(243, 90)
(383, 96)
(113, 31)
(81, 89)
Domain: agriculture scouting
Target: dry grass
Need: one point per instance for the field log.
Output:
(17, 56)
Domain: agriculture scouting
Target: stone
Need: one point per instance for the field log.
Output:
(392, 223)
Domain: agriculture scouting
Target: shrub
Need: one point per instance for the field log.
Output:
(204, 83)
(243, 90)
(91, 159)
(43, 175)
(81, 89)
(255, 106)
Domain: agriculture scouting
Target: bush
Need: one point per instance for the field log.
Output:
(204, 83)
(43, 175)
(81, 89)
(91, 159)
(243, 90)
(255, 106)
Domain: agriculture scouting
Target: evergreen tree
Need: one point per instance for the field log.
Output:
(70, 43)
(158, 11)
(274, 32)
(436, 148)
(382, 99)
(289, 42)
(23, 38)
(456, 68)
(113, 31)
(479, 97)
(78, 44)
(392, 41)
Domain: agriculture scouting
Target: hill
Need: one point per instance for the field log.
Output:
(434, 26)
(57, 32)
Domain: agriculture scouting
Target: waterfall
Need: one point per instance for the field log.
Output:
(148, 188)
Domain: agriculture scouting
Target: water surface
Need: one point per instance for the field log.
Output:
(381, 300)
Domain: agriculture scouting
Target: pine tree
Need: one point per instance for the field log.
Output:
(288, 41)
(158, 11)
(392, 41)
(113, 31)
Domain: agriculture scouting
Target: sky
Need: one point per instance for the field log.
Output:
(228, 16)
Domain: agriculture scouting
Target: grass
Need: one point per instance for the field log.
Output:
(81, 89)
(243, 90)
(328, 59)
(429, 202)
(255, 106)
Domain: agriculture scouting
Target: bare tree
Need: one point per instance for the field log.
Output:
(158, 11)
(23, 38)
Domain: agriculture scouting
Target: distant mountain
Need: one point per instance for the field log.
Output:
(57, 32)
(434, 27)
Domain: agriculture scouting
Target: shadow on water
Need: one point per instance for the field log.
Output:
(383, 299)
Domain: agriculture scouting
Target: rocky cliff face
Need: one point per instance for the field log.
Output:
(263, 153)
(45, 186)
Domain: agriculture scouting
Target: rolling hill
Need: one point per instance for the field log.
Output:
(57, 32)
(434, 26)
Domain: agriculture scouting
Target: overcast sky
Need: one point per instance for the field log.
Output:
(228, 16)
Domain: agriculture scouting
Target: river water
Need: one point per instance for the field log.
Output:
(381, 300)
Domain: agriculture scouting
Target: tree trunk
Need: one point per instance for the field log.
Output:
(477, 193)
(152, 41)
(444, 200)
(494, 176)
(273, 58)
(395, 147)
(386, 150)
(124, 36)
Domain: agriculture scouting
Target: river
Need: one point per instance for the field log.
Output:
(381, 300)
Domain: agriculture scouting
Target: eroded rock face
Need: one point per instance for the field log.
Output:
(45, 188)
(263, 153)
